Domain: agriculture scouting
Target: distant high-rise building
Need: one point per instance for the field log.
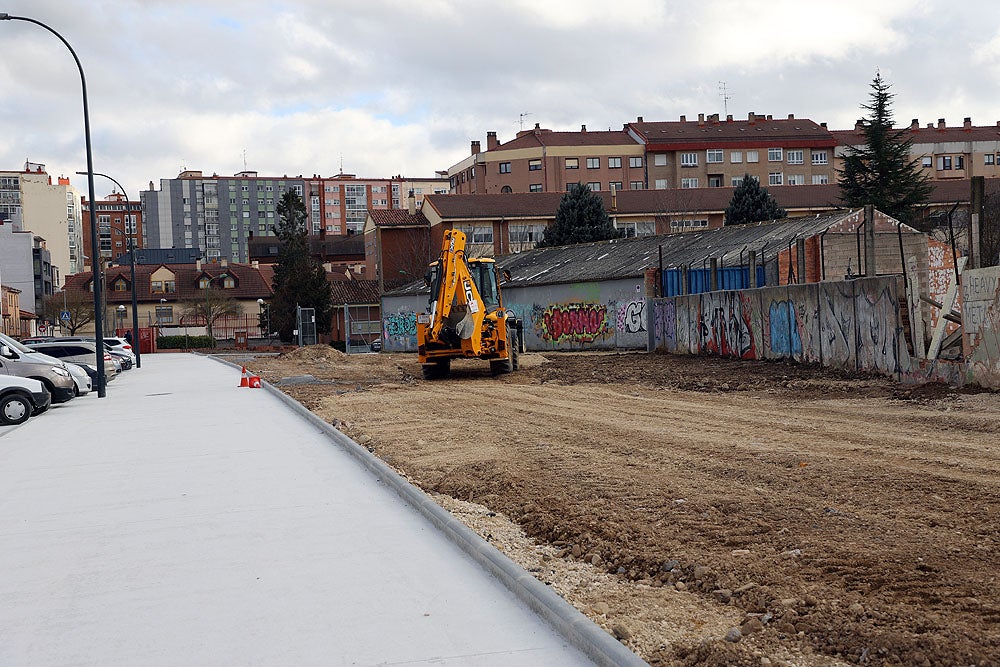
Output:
(119, 222)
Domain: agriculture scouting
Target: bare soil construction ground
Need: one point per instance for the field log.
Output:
(706, 511)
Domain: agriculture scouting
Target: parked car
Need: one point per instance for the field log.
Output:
(376, 345)
(79, 352)
(37, 339)
(23, 361)
(84, 383)
(121, 345)
(20, 398)
(124, 359)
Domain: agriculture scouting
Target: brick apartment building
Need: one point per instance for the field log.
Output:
(119, 224)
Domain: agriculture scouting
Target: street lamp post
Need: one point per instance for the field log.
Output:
(94, 248)
(131, 252)
(121, 318)
(264, 318)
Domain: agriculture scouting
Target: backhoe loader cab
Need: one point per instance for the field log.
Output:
(466, 317)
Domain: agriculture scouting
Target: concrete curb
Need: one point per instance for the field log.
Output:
(579, 631)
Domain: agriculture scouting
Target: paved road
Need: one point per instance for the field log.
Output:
(184, 521)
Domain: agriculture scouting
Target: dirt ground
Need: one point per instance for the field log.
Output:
(705, 511)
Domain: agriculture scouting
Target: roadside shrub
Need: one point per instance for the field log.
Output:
(184, 342)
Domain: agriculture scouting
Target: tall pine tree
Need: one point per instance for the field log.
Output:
(581, 218)
(882, 172)
(752, 203)
(299, 280)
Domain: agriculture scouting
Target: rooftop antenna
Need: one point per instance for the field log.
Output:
(521, 118)
(244, 159)
(341, 164)
(725, 97)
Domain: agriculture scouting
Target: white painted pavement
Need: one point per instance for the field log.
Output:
(184, 521)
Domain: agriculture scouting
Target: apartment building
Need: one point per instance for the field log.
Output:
(119, 224)
(51, 210)
(716, 153)
(542, 160)
(221, 214)
(944, 153)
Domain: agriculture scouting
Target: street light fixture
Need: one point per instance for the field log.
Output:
(131, 252)
(98, 316)
(264, 318)
(121, 317)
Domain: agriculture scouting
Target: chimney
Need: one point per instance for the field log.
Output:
(583, 128)
(225, 262)
(859, 124)
(614, 198)
(475, 148)
(255, 264)
(791, 116)
(968, 122)
(638, 119)
(941, 124)
(411, 204)
(701, 119)
(729, 118)
(823, 124)
(769, 117)
(915, 124)
(684, 120)
(752, 117)
(714, 118)
(197, 264)
(491, 141)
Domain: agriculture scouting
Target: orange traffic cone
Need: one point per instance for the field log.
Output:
(254, 381)
(245, 380)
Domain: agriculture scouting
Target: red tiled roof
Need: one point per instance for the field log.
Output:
(250, 281)
(534, 138)
(397, 217)
(354, 292)
(678, 135)
(926, 135)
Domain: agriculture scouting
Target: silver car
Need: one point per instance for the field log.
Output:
(79, 352)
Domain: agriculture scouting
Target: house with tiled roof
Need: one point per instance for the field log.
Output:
(398, 244)
(944, 153)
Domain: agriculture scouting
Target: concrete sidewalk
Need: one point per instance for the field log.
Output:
(184, 521)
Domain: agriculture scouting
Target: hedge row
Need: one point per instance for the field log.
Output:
(184, 342)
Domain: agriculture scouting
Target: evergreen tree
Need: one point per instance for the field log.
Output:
(882, 172)
(752, 203)
(581, 218)
(299, 280)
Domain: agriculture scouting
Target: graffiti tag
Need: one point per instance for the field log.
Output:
(631, 317)
(400, 325)
(578, 322)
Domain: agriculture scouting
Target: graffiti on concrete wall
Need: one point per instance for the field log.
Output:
(400, 325)
(632, 316)
(981, 321)
(783, 327)
(725, 327)
(665, 323)
(836, 324)
(878, 328)
(575, 323)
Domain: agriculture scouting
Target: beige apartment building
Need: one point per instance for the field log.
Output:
(945, 153)
(711, 152)
(541, 160)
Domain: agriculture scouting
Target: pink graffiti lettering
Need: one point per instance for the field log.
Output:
(578, 323)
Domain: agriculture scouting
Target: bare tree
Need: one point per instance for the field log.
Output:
(79, 305)
(215, 304)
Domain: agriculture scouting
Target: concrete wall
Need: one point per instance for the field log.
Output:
(580, 316)
(852, 325)
(981, 324)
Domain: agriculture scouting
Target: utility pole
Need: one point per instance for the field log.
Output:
(725, 97)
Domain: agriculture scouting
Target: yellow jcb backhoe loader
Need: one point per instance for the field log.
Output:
(467, 318)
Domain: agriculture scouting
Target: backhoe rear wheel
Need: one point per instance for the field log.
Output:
(437, 370)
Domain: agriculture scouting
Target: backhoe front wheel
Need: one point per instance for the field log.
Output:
(437, 370)
(511, 363)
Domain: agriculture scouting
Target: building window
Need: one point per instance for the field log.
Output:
(926, 161)
(819, 157)
(526, 234)
(506, 190)
(794, 157)
(594, 186)
(689, 159)
(795, 179)
(615, 185)
(944, 163)
(714, 156)
(534, 165)
(988, 158)
(164, 314)
(774, 154)
(635, 185)
(572, 163)
(156, 286)
(593, 163)
(477, 233)
(820, 179)
(569, 186)
(635, 162)
(614, 163)
(735, 181)
(753, 156)
(959, 162)
(715, 181)
(245, 188)
(687, 183)
(682, 224)
(775, 178)
(660, 184)
(535, 187)
(660, 159)
(736, 157)
(633, 229)
(505, 167)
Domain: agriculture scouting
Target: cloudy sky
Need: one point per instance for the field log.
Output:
(387, 87)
